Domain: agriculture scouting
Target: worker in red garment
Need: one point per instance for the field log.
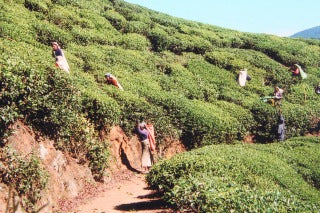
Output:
(110, 79)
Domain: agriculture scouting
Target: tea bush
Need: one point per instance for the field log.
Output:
(116, 19)
(179, 75)
(282, 50)
(137, 27)
(15, 23)
(98, 156)
(101, 111)
(159, 39)
(223, 195)
(25, 175)
(219, 178)
(135, 41)
(46, 33)
(184, 43)
(36, 5)
(91, 36)
(64, 18)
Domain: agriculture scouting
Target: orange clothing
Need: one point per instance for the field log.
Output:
(113, 81)
(151, 137)
(295, 71)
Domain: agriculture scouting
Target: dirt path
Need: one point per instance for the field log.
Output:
(131, 195)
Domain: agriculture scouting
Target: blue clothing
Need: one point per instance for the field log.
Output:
(143, 134)
(281, 129)
(57, 52)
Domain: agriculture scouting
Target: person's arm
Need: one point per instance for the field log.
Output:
(139, 131)
(119, 86)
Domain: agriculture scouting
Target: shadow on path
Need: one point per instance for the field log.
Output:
(150, 196)
(125, 161)
(144, 205)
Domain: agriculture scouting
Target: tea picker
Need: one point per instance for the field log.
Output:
(61, 60)
(110, 79)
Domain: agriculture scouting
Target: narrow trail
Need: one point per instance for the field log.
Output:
(131, 195)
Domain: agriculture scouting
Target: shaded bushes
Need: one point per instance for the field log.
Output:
(159, 39)
(266, 117)
(185, 43)
(177, 42)
(37, 5)
(116, 19)
(135, 108)
(98, 156)
(200, 123)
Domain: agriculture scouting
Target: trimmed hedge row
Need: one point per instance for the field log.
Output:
(273, 177)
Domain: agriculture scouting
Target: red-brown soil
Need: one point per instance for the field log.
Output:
(71, 187)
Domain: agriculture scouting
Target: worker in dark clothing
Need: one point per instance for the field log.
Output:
(281, 129)
(317, 89)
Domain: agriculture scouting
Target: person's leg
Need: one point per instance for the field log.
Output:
(145, 170)
(278, 103)
(145, 159)
(272, 101)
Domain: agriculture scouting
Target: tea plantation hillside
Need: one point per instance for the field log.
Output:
(179, 75)
(243, 178)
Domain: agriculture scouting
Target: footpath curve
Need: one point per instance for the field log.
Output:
(130, 195)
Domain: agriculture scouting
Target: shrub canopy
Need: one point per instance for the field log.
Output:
(180, 75)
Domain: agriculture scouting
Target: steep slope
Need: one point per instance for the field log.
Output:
(313, 32)
(38, 171)
(179, 75)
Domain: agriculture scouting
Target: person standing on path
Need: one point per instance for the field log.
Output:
(143, 134)
(61, 60)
